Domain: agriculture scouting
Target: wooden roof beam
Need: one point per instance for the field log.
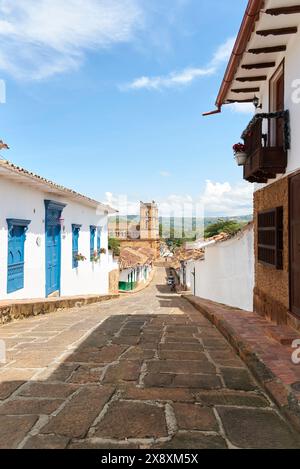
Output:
(230, 101)
(267, 50)
(278, 31)
(246, 90)
(251, 79)
(283, 10)
(259, 65)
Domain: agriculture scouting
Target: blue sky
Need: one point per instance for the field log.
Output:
(106, 96)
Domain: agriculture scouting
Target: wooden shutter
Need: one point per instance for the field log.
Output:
(75, 239)
(295, 244)
(98, 239)
(16, 245)
(15, 271)
(270, 237)
(92, 241)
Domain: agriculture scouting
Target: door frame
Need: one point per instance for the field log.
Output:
(279, 72)
(57, 206)
(294, 313)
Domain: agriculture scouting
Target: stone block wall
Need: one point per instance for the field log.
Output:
(271, 292)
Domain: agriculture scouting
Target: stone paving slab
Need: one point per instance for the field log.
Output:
(145, 371)
(265, 348)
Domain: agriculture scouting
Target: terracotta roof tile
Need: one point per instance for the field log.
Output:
(5, 164)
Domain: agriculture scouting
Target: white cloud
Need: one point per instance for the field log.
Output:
(226, 199)
(165, 174)
(174, 79)
(242, 108)
(38, 41)
(183, 77)
(223, 52)
(217, 199)
(122, 203)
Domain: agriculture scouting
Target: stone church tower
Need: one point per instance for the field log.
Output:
(149, 221)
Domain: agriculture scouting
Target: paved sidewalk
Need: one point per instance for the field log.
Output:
(265, 347)
(144, 371)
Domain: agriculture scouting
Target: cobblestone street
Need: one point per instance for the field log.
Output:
(144, 371)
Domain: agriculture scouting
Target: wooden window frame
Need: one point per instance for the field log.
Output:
(277, 246)
(99, 234)
(75, 249)
(92, 241)
(279, 72)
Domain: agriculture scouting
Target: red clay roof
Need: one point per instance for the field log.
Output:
(7, 167)
(250, 17)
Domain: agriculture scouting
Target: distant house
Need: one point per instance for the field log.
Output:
(224, 272)
(264, 70)
(135, 267)
(53, 240)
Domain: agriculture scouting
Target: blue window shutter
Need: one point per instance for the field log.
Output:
(75, 238)
(92, 241)
(16, 248)
(98, 239)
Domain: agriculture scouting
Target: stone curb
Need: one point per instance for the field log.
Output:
(20, 309)
(283, 396)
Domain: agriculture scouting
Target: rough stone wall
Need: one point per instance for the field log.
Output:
(271, 292)
(114, 276)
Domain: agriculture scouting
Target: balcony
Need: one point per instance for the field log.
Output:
(266, 159)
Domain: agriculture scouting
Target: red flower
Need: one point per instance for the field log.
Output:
(239, 148)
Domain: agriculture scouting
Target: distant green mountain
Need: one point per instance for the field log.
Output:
(187, 226)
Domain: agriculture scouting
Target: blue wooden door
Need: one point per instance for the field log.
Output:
(53, 249)
(15, 271)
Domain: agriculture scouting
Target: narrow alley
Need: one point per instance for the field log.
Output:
(144, 371)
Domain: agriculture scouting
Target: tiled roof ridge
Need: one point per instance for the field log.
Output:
(130, 257)
(19, 169)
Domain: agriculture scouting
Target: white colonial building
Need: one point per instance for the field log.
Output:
(225, 273)
(53, 241)
(264, 69)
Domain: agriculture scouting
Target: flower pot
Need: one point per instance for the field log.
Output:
(241, 158)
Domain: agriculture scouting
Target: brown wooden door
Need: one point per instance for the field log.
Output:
(295, 244)
(279, 107)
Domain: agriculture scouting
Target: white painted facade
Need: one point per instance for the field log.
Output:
(226, 274)
(140, 274)
(112, 262)
(22, 196)
(290, 59)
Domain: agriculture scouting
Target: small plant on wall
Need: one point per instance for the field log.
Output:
(95, 257)
(102, 251)
(79, 257)
(240, 154)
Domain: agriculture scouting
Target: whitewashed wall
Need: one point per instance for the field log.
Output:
(124, 275)
(23, 202)
(227, 273)
(112, 262)
(292, 101)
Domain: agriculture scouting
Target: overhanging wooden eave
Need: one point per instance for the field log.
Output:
(289, 10)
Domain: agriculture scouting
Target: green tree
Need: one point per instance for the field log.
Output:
(114, 246)
(223, 226)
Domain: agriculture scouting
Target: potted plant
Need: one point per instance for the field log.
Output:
(79, 257)
(240, 154)
(102, 251)
(95, 257)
